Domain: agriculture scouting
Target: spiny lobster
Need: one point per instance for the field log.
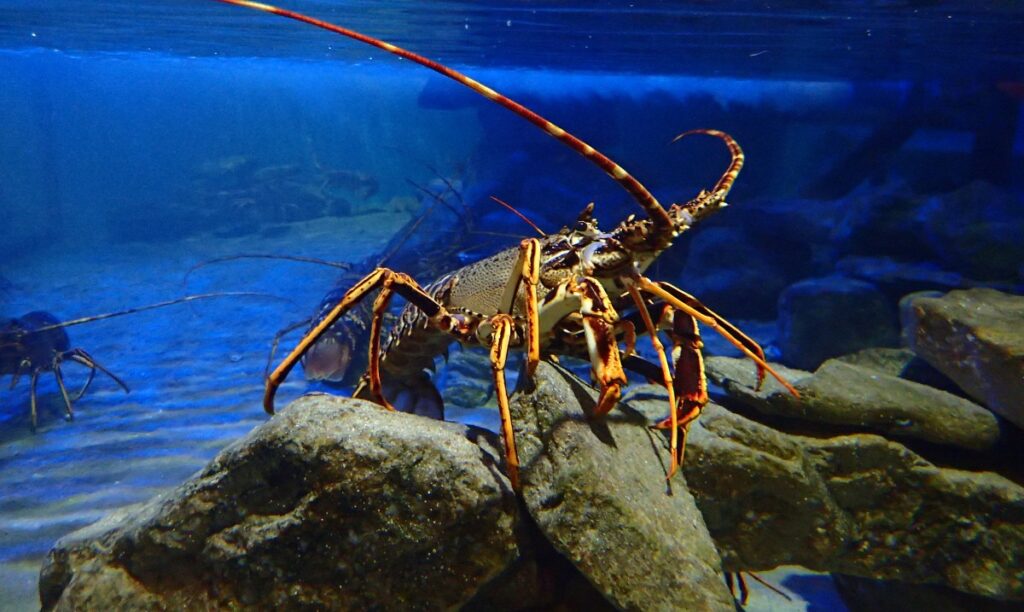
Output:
(36, 342)
(560, 293)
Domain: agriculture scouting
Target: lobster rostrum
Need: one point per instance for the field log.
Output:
(561, 292)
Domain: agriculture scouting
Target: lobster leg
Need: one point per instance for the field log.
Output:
(88, 381)
(599, 320)
(527, 273)
(380, 306)
(32, 398)
(281, 333)
(389, 282)
(503, 326)
(80, 356)
(730, 582)
(680, 300)
(666, 375)
(16, 376)
(55, 365)
(689, 383)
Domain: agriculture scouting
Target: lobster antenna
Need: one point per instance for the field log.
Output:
(445, 180)
(724, 184)
(411, 228)
(313, 260)
(659, 216)
(769, 585)
(128, 311)
(440, 199)
(519, 214)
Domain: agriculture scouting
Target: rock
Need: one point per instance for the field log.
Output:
(977, 230)
(802, 221)
(883, 222)
(841, 393)
(976, 338)
(901, 363)
(726, 270)
(466, 380)
(597, 491)
(897, 278)
(868, 595)
(738, 378)
(855, 504)
(334, 503)
(827, 317)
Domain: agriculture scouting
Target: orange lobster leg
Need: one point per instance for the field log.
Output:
(599, 319)
(691, 386)
(666, 375)
(688, 304)
(381, 278)
(503, 326)
(526, 273)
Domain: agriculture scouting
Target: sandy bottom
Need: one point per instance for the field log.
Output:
(195, 373)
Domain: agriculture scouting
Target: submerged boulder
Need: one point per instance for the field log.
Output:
(597, 490)
(901, 363)
(841, 393)
(977, 230)
(854, 504)
(821, 318)
(976, 338)
(335, 503)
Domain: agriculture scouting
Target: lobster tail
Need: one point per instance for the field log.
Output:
(643, 197)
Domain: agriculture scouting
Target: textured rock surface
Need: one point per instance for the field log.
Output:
(901, 363)
(334, 503)
(855, 504)
(597, 490)
(841, 393)
(820, 318)
(975, 337)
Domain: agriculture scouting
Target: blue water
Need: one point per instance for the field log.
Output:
(132, 133)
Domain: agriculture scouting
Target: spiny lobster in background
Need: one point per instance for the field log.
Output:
(561, 293)
(36, 342)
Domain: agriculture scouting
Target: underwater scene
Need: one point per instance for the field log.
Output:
(511, 305)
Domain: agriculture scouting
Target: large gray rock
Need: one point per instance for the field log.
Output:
(826, 317)
(334, 503)
(901, 363)
(975, 337)
(854, 504)
(840, 393)
(597, 490)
